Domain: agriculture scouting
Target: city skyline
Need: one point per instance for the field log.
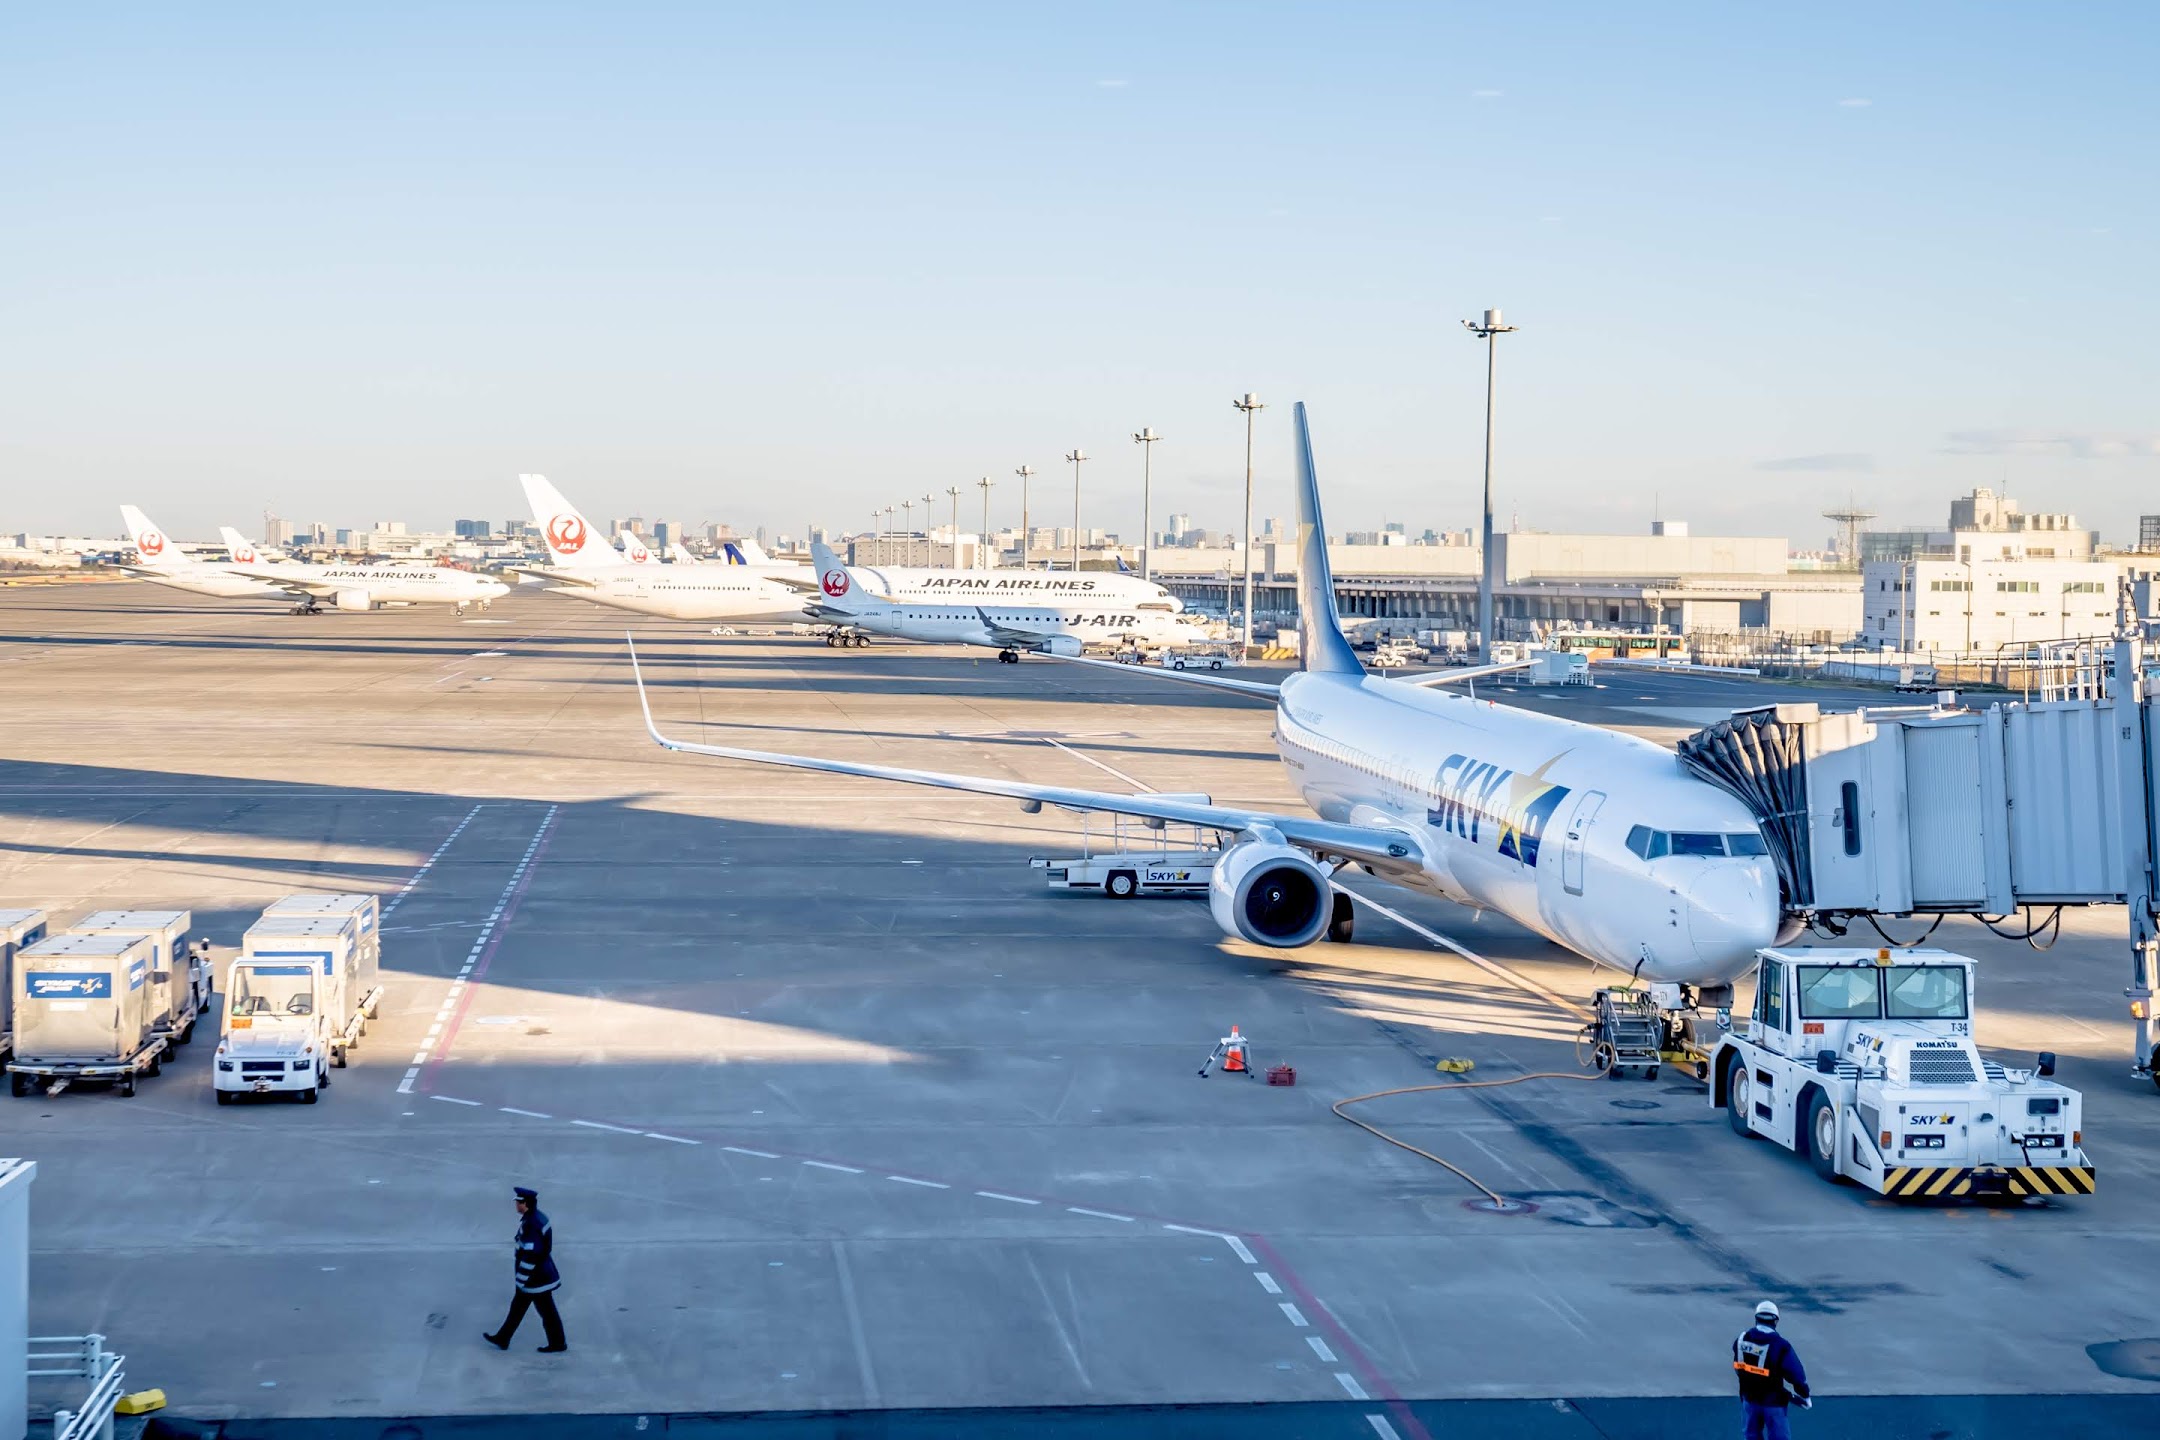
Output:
(770, 269)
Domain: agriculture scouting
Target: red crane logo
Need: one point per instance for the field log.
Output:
(151, 545)
(836, 583)
(566, 533)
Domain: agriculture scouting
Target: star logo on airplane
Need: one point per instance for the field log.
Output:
(1518, 840)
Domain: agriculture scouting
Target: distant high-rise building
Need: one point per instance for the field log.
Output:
(1179, 526)
(2149, 533)
(388, 527)
(473, 529)
(668, 532)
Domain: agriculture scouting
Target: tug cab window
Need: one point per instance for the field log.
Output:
(1838, 992)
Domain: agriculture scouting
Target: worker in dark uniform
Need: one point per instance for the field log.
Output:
(1771, 1377)
(537, 1277)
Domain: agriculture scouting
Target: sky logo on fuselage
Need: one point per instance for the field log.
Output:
(1487, 804)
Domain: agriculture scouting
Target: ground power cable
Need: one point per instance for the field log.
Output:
(1489, 1193)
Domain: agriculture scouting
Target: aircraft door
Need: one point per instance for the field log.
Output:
(1571, 849)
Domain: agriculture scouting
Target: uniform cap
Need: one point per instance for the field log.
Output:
(524, 1194)
(1766, 1311)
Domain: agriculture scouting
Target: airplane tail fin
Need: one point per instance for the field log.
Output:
(1122, 567)
(572, 541)
(1320, 636)
(680, 556)
(752, 552)
(842, 591)
(152, 545)
(634, 548)
(241, 548)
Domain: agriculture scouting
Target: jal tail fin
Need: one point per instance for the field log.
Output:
(238, 546)
(1320, 637)
(571, 539)
(841, 590)
(679, 556)
(152, 545)
(634, 548)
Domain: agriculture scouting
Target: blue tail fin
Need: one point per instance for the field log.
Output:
(1122, 567)
(1320, 637)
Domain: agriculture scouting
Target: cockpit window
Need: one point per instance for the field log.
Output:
(1657, 844)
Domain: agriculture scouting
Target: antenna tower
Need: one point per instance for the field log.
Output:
(1850, 517)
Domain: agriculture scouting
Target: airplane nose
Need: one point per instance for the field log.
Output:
(1732, 913)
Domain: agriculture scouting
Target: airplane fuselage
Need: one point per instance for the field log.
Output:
(1551, 822)
(688, 592)
(1090, 624)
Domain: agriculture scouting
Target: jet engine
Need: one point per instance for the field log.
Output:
(1271, 894)
(355, 600)
(1066, 645)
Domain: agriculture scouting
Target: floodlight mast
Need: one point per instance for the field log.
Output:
(1251, 405)
(1026, 535)
(1145, 438)
(1078, 457)
(1489, 331)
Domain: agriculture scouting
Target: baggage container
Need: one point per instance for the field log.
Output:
(298, 996)
(18, 928)
(179, 980)
(82, 1012)
(363, 978)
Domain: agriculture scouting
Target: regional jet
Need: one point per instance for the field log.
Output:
(159, 559)
(1596, 840)
(363, 587)
(585, 565)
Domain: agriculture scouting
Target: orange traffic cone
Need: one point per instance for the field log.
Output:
(1234, 1052)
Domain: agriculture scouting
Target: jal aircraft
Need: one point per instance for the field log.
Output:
(585, 565)
(1595, 840)
(855, 599)
(363, 587)
(993, 590)
(158, 558)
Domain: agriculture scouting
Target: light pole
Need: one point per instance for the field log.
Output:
(982, 545)
(1488, 332)
(928, 500)
(1145, 438)
(907, 529)
(954, 491)
(1076, 456)
(884, 551)
(1251, 405)
(1023, 472)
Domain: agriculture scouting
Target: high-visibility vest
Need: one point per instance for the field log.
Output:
(1751, 1357)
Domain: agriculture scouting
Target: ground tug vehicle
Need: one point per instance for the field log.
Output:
(299, 996)
(1864, 1061)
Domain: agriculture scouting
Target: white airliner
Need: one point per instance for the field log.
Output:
(585, 565)
(854, 598)
(993, 590)
(1597, 841)
(158, 558)
(363, 587)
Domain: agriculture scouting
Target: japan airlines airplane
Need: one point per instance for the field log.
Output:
(160, 560)
(1048, 624)
(994, 590)
(363, 587)
(1595, 840)
(585, 565)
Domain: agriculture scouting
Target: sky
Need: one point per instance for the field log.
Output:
(784, 265)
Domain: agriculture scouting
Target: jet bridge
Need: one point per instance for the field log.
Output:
(1917, 810)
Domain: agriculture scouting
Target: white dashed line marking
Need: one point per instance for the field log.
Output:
(1350, 1386)
(1239, 1246)
(1319, 1348)
(828, 1165)
(1098, 1214)
(603, 1125)
(452, 1100)
(926, 1184)
(528, 1114)
(1194, 1230)
(1381, 1428)
(760, 1154)
(1010, 1199)
(1267, 1282)
(429, 863)
(671, 1139)
(1291, 1313)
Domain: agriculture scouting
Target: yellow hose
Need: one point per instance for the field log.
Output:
(1493, 1195)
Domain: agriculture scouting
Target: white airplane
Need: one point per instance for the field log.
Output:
(585, 565)
(362, 587)
(853, 601)
(992, 589)
(159, 558)
(1597, 841)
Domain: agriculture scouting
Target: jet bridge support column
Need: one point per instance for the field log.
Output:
(2134, 733)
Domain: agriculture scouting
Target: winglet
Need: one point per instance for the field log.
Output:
(638, 671)
(1321, 642)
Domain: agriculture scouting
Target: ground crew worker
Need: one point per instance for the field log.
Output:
(1771, 1377)
(537, 1277)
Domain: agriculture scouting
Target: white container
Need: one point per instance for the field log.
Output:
(18, 928)
(290, 1003)
(176, 989)
(366, 912)
(82, 999)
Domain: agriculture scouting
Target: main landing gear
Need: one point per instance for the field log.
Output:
(841, 639)
(1008, 656)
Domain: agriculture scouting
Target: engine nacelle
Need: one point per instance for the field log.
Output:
(1270, 894)
(355, 600)
(1068, 646)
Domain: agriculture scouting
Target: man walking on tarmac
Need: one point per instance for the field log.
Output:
(1771, 1376)
(537, 1278)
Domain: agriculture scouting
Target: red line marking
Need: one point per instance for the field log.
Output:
(441, 1052)
(1376, 1384)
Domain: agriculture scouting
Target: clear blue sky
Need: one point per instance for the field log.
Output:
(782, 264)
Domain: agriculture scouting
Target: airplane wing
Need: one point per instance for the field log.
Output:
(1472, 672)
(793, 579)
(1382, 848)
(568, 579)
(1213, 681)
(320, 589)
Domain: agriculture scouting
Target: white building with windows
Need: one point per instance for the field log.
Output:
(1981, 604)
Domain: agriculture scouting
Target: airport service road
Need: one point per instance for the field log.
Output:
(832, 1106)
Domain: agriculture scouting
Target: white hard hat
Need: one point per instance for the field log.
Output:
(1766, 1311)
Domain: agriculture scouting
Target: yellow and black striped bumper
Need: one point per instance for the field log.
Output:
(1952, 1182)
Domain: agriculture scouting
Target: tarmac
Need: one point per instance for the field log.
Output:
(843, 1121)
